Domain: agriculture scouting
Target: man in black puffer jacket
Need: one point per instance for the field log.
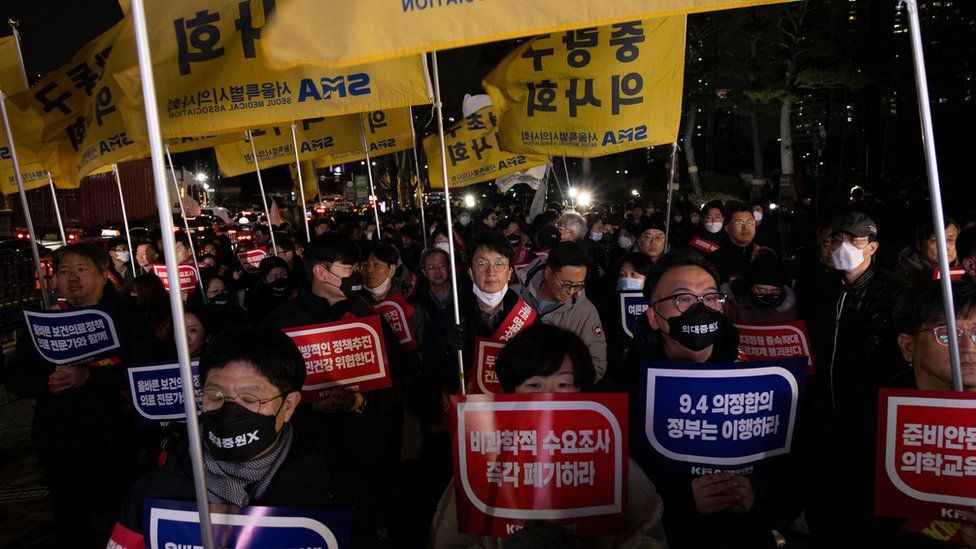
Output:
(856, 348)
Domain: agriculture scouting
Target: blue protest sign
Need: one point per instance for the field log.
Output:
(157, 392)
(632, 306)
(70, 336)
(177, 524)
(703, 418)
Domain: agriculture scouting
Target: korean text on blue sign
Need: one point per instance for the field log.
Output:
(66, 337)
(632, 306)
(719, 417)
(157, 392)
(177, 524)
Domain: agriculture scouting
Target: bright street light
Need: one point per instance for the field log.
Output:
(573, 192)
(201, 177)
(584, 199)
(634, 192)
(469, 201)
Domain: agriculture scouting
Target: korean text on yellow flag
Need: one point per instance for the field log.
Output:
(386, 132)
(212, 75)
(473, 154)
(336, 34)
(591, 92)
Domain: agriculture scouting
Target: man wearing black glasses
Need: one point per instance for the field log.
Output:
(555, 290)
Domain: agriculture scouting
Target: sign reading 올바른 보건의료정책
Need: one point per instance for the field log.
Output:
(718, 417)
(772, 341)
(157, 392)
(926, 460)
(632, 306)
(553, 457)
(171, 524)
(73, 335)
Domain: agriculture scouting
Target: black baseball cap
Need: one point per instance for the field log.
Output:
(855, 223)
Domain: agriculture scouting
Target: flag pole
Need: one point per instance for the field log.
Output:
(125, 218)
(935, 191)
(672, 181)
(172, 271)
(41, 283)
(569, 186)
(264, 198)
(57, 212)
(369, 170)
(186, 223)
(438, 106)
(420, 182)
(301, 184)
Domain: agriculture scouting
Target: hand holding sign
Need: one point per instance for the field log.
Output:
(67, 378)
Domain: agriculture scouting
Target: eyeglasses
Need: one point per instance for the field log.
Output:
(216, 398)
(744, 223)
(942, 335)
(352, 269)
(838, 239)
(437, 267)
(483, 265)
(685, 301)
(569, 287)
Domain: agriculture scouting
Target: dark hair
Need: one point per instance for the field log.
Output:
(734, 208)
(269, 263)
(117, 241)
(547, 236)
(202, 315)
(639, 261)
(926, 231)
(431, 252)
(491, 241)
(149, 246)
(567, 254)
(151, 296)
(539, 350)
(182, 238)
(330, 247)
(712, 204)
(85, 250)
(387, 253)
(272, 353)
(672, 260)
(966, 244)
(592, 218)
(923, 305)
(285, 241)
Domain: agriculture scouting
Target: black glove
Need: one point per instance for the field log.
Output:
(536, 534)
(455, 337)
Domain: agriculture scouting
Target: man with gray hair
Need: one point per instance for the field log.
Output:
(572, 226)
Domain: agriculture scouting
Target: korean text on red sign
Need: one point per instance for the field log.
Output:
(251, 259)
(348, 353)
(485, 354)
(926, 464)
(552, 457)
(766, 341)
(188, 277)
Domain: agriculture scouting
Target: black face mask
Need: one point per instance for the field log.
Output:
(514, 239)
(766, 301)
(220, 300)
(279, 286)
(233, 433)
(696, 328)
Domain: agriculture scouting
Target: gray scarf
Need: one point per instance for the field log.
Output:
(239, 482)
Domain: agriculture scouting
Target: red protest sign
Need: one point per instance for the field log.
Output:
(348, 353)
(926, 462)
(955, 273)
(543, 456)
(766, 341)
(188, 276)
(485, 354)
(704, 245)
(397, 313)
(251, 259)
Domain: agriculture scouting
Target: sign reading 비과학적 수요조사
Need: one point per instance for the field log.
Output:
(72, 335)
(632, 306)
(251, 259)
(772, 341)
(552, 457)
(349, 353)
(719, 417)
(171, 524)
(926, 462)
(157, 392)
(188, 276)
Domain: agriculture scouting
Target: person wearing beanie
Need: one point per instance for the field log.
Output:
(762, 295)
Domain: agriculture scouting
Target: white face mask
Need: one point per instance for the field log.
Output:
(122, 256)
(464, 220)
(381, 289)
(625, 242)
(713, 226)
(446, 246)
(757, 216)
(596, 236)
(847, 257)
(490, 299)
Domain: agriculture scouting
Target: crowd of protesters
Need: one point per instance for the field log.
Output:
(865, 291)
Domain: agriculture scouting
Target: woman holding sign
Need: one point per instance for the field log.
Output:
(548, 359)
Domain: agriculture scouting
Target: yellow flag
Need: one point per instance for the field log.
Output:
(386, 132)
(473, 153)
(337, 34)
(309, 178)
(184, 144)
(11, 75)
(34, 176)
(594, 91)
(212, 75)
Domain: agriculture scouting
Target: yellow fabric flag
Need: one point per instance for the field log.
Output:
(309, 179)
(473, 153)
(386, 132)
(11, 75)
(184, 144)
(212, 75)
(594, 91)
(337, 34)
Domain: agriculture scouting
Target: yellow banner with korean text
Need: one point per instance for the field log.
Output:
(274, 146)
(370, 30)
(473, 153)
(594, 91)
(212, 76)
(386, 132)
